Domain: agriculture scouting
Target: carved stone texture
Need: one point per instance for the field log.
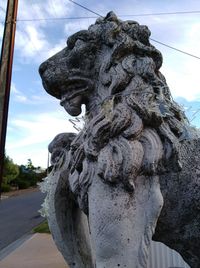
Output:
(60, 144)
(136, 139)
(67, 223)
(179, 222)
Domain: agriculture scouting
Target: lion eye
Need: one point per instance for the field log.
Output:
(79, 43)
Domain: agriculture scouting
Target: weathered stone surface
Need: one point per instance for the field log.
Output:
(59, 145)
(136, 140)
(179, 222)
(67, 223)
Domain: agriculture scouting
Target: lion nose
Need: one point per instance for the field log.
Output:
(43, 68)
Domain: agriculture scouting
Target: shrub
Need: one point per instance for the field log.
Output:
(5, 188)
(10, 170)
(23, 184)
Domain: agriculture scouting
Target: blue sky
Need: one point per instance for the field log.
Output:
(35, 117)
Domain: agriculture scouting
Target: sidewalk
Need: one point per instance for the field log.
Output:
(39, 251)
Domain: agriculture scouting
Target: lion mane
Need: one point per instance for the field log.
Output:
(132, 125)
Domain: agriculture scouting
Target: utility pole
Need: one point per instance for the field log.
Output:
(5, 75)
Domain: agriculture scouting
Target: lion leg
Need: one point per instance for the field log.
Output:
(122, 223)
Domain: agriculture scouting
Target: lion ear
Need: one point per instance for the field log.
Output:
(111, 16)
(82, 35)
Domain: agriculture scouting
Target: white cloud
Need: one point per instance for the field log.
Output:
(43, 9)
(14, 89)
(21, 98)
(183, 83)
(58, 8)
(33, 99)
(192, 39)
(30, 41)
(75, 26)
(56, 48)
(1, 31)
(182, 71)
(17, 95)
(33, 45)
(32, 37)
(36, 37)
(3, 5)
(27, 134)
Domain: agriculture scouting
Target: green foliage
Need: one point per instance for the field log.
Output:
(42, 228)
(29, 165)
(29, 175)
(23, 176)
(5, 188)
(26, 178)
(10, 170)
(22, 184)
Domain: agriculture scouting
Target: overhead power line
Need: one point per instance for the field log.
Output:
(162, 13)
(60, 18)
(94, 17)
(3, 9)
(86, 8)
(97, 15)
(179, 50)
(142, 14)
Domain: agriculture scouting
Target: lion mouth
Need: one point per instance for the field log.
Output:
(74, 94)
(72, 106)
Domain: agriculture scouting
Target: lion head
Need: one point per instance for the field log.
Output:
(93, 61)
(133, 126)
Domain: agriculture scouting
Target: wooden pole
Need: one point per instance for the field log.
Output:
(6, 61)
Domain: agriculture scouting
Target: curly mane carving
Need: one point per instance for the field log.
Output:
(130, 112)
(133, 127)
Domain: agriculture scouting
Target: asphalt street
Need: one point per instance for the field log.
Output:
(18, 216)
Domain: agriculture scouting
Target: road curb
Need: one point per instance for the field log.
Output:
(14, 245)
(18, 192)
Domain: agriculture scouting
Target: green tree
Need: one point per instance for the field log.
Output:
(24, 178)
(29, 165)
(10, 170)
(27, 175)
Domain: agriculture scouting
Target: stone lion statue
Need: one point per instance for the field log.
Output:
(132, 172)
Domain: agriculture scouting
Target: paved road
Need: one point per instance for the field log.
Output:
(18, 216)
